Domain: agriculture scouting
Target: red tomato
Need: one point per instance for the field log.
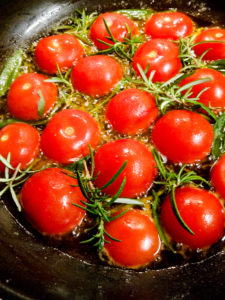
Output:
(117, 24)
(218, 176)
(23, 97)
(96, 75)
(64, 50)
(217, 50)
(214, 96)
(47, 198)
(140, 170)
(132, 111)
(169, 25)
(183, 136)
(68, 134)
(201, 211)
(160, 56)
(22, 141)
(140, 241)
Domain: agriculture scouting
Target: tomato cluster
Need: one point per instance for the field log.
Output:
(122, 139)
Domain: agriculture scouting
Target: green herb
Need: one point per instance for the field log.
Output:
(124, 49)
(169, 94)
(219, 137)
(136, 14)
(218, 65)
(80, 26)
(98, 204)
(41, 104)
(13, 178)
(155, 206)
(4, 122)
(171, 180)
(10, 71)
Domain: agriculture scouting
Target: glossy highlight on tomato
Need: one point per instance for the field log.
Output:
(158, 55)
(47, 197)
(214, 95)
(117, 24)
(67, 136)
(201, 211)
(169, 25)
(139, 240)
(22, 142)
(132, 111)
(24, 96)
(214, 50)
(96, 75)
(64, 50)
(183, 136)
(140, 170)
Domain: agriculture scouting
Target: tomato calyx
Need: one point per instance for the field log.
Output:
(170, 181)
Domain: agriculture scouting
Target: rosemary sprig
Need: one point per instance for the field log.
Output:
(13, 178)
(80, 26)
(98, 204)
(191, 62)
(170, 181)
(170, 95)
(124, 49)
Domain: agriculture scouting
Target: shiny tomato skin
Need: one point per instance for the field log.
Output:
(217, 50)
(117, 24)
(67, 136)
(23, 96)
(46, 199)
(140, 170)
(96, 75)
(131, 111)
(161, 56)
(183, 136)
(22, 141)
(218, 176)
(62, 49)
(139, 238)
(214, 96)
(201, 211)
(169, 25)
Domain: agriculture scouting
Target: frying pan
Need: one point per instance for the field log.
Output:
(30, 268)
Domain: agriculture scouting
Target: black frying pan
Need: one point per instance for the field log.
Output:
(30, 268)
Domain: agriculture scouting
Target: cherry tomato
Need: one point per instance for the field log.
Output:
(63, 49)
(24, 96)
(117, 24)
(140, 170)
(96, 75)
(169, 25)
(214, 96)
(201, 211)
(183, 136)
(160, 56)
(217, 50)
(68, 135)
(132, 111)
(22, 141)
(139, 238)
(47, 198)
(218, 176)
